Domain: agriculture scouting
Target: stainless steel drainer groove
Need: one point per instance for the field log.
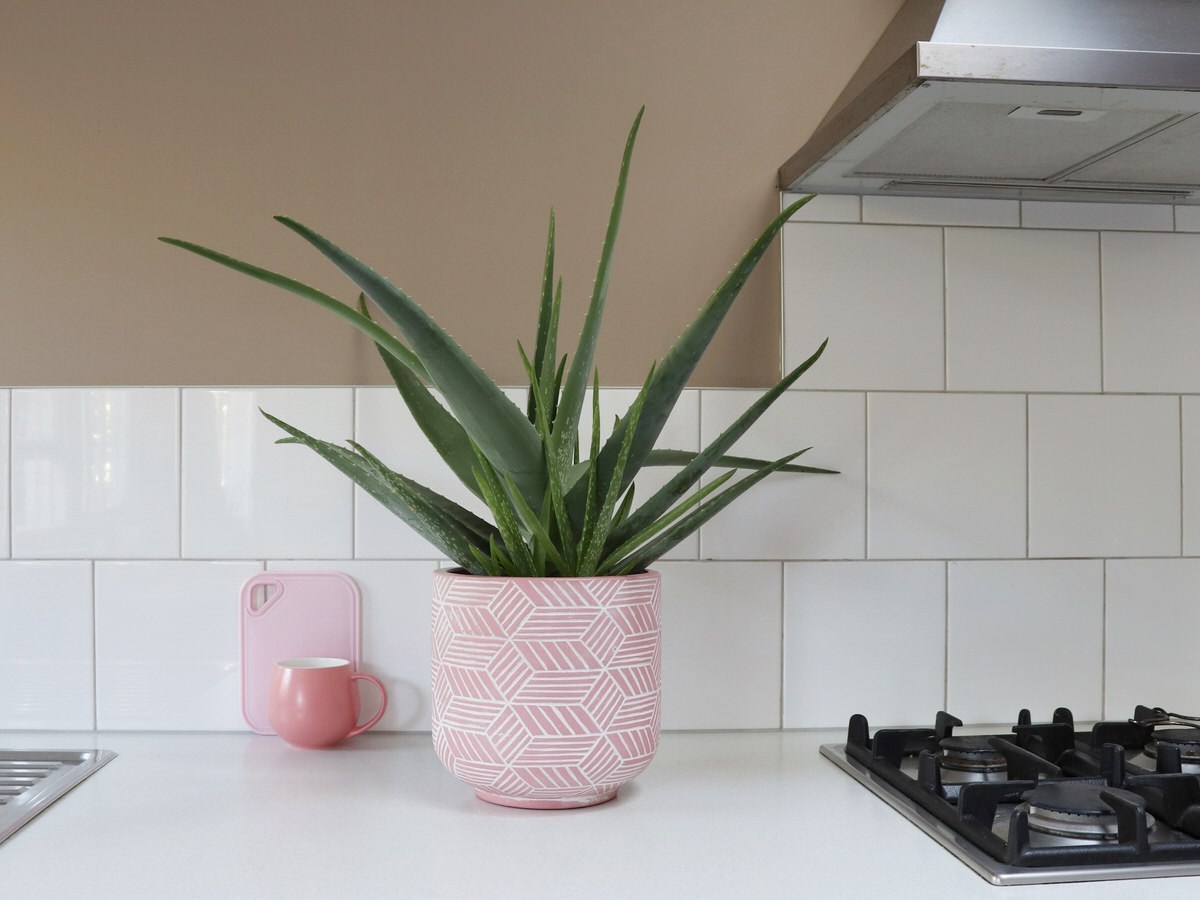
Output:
(30, 780)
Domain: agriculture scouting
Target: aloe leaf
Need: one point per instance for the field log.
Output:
(595, 540)
(679, 483)
(639, 559)
(380, 336)
(492, 420)
(429, 521)
(539, 527)
(506, 516)
(566, 422)
(472, 523)
(444, 432)
(660, 524)
(547, 323)
(665, 457)
(685, 353)
(590, 512)
(626, 504)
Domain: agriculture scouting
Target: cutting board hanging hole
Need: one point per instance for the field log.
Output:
(263, 594)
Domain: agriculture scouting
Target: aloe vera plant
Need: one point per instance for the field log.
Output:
(555, 511)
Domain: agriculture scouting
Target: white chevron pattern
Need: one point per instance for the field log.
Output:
(546, 691)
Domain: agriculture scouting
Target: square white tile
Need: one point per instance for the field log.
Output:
(1190, 409)
(1097, 216)
(5, 428)
(95, 473)
(1153, 616)
(681, 432)
(167, 646)
(396, 599)
(384, 426)
(1151, 318)
(876, 292)
(945, 476)
(1022, 310)
(721, 655)
(1187, 218)
(46, 659)
(246, 498)
(791, 515)
(942, 211)
(993, 605)
(892, 671)
(825, 208)
(1104, 474)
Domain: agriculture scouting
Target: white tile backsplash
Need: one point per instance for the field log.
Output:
(876, 292)
(167, 647)
(994, 608)
(1025, 390)
(5, 420)
(826, 208)
(244, 496)
(1151, 317)
(941, 211)
(865, 637)
(1152, 613)
(721, 655)
(791, 515)
(46, 660)
(946, 475)
(1097, 216)
(1022, 310)
(95, 473)
(1104, 476)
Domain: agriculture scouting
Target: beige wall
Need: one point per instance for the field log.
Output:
(429, 138)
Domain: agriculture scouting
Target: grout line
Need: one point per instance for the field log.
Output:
(866, 475)
(8, 506)
(95, 654)
(1028, 479)
(354, 430)
(782, 640)
(1100, 286)
(1104, 638)
(179, 470)
(946, 636)
(945, 319)
(1182, 480)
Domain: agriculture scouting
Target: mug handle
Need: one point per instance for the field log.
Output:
(382, 702)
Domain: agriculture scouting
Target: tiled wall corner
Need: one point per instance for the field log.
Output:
(1057, 463)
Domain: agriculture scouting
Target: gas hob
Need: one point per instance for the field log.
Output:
(1043, 802)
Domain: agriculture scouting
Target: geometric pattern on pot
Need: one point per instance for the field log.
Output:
(547, 692)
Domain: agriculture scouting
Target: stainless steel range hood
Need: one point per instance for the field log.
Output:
(1033, 99)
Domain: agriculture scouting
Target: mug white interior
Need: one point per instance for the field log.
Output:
(313, 662)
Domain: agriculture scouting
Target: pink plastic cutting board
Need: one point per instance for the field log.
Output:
(289, 614)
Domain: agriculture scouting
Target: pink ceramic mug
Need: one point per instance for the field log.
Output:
(313, 702)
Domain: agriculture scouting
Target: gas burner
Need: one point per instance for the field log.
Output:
(1185, 740)
(964, 753)
(1074, 809)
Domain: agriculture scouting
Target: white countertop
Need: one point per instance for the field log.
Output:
(740, 815)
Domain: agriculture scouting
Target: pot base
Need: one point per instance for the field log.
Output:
(563, 803)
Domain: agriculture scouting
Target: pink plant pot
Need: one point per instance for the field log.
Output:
(547, 692)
